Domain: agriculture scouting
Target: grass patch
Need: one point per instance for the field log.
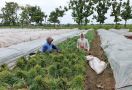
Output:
(72, 26)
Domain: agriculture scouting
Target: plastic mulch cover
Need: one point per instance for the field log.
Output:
(10, 37)
(119, 52)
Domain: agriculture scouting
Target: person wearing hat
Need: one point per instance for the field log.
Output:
(48, 46)
(82, 43)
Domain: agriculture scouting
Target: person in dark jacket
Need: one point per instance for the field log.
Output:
(48, 46)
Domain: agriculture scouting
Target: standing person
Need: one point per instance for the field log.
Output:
(82, 43)
(48, 46)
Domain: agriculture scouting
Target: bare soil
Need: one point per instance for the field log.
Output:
(128, 37)
(105, 80)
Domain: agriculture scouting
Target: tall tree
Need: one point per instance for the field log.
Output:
(45, 18)
(54, 15)
(102, 8)
(36, 14)
(77, 7)
(126, 13)
(88, 10)
(81, 10)
(24, 16)
(116, 10)
(10, 13)
(1, 16)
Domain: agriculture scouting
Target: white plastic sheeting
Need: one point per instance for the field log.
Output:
(124, 32)
(10, 54)
(10, 37)
(119, 52)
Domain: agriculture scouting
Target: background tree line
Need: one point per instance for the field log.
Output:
(82, 11)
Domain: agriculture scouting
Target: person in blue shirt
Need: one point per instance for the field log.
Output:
(48, 46)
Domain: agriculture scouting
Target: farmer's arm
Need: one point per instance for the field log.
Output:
(87, 44)
(78, 43)
(55, 47)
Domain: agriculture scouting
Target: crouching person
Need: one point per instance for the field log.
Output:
(49, 47)
(82, 43)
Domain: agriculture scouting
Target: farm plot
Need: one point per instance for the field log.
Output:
(67, 70)
(63, 71)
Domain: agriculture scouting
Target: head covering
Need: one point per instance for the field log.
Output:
(82, 35)
(49, 39)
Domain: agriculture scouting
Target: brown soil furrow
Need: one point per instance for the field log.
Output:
(104, 81)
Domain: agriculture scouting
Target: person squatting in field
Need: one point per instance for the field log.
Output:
(82, 43)
(49, 47)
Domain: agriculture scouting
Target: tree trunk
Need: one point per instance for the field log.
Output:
(116, 24)
(125, 23)
(45, 20)
(54, 24)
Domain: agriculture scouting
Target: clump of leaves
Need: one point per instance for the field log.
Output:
(66, 72)
(37, 70)
(62, 84)
(77, 82)
(39, 84)
(32, 62)
(20, 84)
(21, 63)
(8, 77)
(52, 83)
(3, 88)
(21, 74)
(4, 67)
(52, 71)
(78, 69)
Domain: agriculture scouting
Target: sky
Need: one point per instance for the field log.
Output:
(49, 5)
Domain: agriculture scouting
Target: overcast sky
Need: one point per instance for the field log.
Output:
(49, 5)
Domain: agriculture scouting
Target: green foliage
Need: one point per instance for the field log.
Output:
(31, 14)
(36, 14)
(116, 10)
(8, 77)
(21, 63)
(10, 13)
(102, 8)
(21, 74)
(66, 72)
(54, 15)
(77, 83)
(62, 84)
(24, 16)
(3, 88)
(39, 84)
(20, 84)
(126, 13)
(81, 10)
(4, 67)
(78, 9)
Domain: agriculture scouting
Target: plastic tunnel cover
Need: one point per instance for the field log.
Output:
(119, 52)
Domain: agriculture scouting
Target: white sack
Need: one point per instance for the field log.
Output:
(96, 64)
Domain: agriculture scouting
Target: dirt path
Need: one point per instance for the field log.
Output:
(104, 81)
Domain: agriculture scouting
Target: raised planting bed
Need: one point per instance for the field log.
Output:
(43, 71)
(119, 52)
